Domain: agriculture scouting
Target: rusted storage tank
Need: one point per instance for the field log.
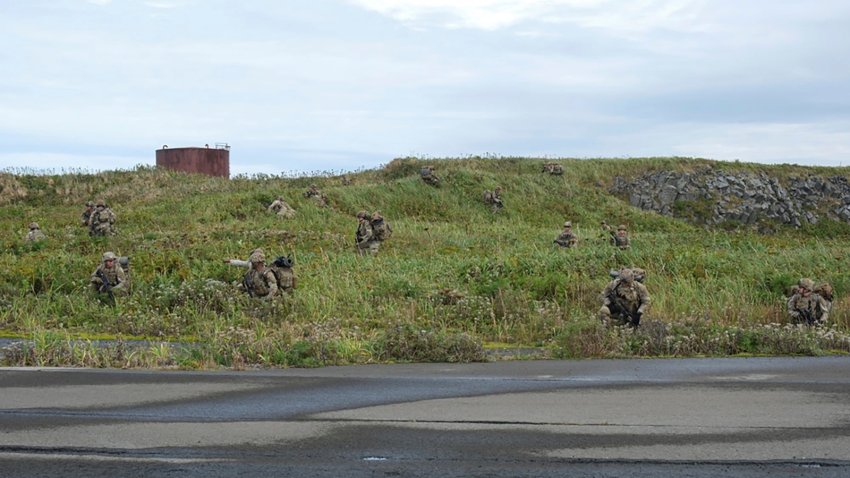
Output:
(210, 161)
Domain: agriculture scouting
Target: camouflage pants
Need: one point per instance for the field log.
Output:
(101, 230)
(287, 213)
(371, 247)
(611, 314)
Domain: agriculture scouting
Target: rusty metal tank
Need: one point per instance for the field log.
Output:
(212, 161)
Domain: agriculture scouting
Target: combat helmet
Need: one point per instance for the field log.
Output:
(33, 225)
(257, 256)
(627, 275)
(109, 256)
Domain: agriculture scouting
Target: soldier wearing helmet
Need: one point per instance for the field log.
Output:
(314, 193)
(624, 300)
(381, 231)
(101, 220)
(364, 237)
(109, 278)
(494, 199)
(567, 238)
(35, 234)
(806, 306)
(428, 176)
(260, 281)
(621, 238)
(280, 267)
(554, 169)
(281, 208)
(85, 217)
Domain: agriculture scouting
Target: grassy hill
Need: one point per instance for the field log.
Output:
(453, 276)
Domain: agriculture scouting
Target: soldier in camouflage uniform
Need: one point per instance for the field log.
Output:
(381, 231)
(280, 208)
(313, 192)
(806, 306)
(85, 217)
(101, 221)
(567, 238)
(621, 238)
(281, 268)
(427, 174)
(35, 234)
(260, 281)
(624, 300)
(494, 199)
(554, 169)
(109, 278)
(364, 237)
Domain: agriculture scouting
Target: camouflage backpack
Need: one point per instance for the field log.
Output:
(381, 230)
(824, 290)
(282, 269)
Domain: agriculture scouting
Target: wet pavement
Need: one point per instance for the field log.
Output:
(694, 417)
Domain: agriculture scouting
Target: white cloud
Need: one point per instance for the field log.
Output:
(612, 15)
(481, 14)
(347, 78)
(825, 144)
(163, 5)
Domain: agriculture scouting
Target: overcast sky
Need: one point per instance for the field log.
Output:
(333, 85)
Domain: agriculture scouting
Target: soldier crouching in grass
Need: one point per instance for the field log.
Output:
(428, 176)
(621, 238)
(807, 305)
(567, 237)
(624, 300)
(260, 281)
(281, 208)
(109, 279)
(35, 234)
(85, 217)
(102, 220)
(363, 239)
(281, 268)
(494, 199)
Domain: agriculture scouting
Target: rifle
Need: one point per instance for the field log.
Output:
(247, 284)
(807, 316)
(634, 318)
(106, 286)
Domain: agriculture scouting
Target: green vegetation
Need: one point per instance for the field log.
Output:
(453, 276)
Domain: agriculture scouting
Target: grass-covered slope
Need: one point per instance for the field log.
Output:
(452, 275)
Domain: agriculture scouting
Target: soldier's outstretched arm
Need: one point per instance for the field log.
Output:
(238, 263)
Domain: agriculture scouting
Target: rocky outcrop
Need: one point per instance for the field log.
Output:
(714, 196)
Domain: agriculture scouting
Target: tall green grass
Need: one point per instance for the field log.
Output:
(453, 275)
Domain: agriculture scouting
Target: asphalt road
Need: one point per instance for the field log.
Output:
(778, 417)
